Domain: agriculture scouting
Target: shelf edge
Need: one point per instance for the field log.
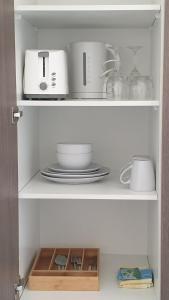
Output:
(89, 196)
(94, 103)
(52, 8)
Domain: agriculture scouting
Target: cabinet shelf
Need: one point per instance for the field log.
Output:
(89, 16)
(109, 189)
(108, 285)
(89, 102)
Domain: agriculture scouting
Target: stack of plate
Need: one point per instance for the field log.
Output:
(92, 173)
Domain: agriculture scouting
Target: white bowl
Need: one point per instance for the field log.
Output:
(75, 161)
(74, 148)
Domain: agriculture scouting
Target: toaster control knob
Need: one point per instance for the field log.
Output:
(43, 86)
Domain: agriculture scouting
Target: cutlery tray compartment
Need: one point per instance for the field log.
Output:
(65, 269)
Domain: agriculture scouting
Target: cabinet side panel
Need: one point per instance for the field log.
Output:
(154, 216)
(165, 168)
(29, 234)
(28, 163)
(28, 155)
(25, 38)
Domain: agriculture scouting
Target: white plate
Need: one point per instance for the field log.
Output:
(101, 172)
(93, 167)
(74, 180)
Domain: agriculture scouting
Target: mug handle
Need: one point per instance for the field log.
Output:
(123, 172)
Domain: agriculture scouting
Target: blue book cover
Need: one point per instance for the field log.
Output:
(134, 274)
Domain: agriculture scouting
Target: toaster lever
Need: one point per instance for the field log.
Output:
(43, 54)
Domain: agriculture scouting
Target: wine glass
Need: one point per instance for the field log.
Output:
(116, 87)
(115, 84)
(140, 87)
(135, 72)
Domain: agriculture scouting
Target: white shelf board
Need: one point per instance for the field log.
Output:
(109, 189)
(88, 16)
(109, 266)
(90, 102)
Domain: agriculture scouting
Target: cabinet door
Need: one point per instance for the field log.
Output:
(165, 168)
(8, 156)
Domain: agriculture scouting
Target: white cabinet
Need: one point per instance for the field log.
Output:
(123, 224)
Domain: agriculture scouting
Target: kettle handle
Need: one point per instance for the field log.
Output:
(106, 72)
(115, 55)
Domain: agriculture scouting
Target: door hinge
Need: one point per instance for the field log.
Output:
(19, 287)
(16, 115)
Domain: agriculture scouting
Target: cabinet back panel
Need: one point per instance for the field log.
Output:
(116, 134)
(120, 38)
(115, 227)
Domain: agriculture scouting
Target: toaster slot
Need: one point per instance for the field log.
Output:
(84, 68)
(44, 73)
(44, 55)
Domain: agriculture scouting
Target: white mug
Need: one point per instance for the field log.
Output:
(142, 177)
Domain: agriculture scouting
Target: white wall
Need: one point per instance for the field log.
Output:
(116, 133)
(115, 227)
(119, 38)
(111, 131)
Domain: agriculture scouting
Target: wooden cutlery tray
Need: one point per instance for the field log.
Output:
(79, 272)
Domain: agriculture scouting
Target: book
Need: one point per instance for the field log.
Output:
(141, 281)
(129, 274)
(135, 278)
(137, 286)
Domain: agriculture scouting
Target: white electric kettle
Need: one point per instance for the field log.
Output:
(86, 65)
